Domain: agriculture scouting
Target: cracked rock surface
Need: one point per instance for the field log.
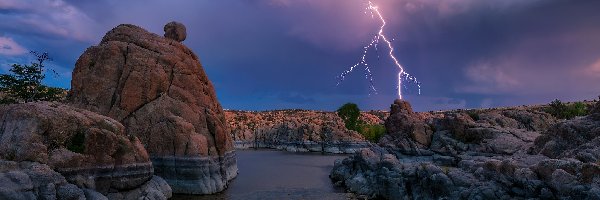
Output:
(510, 153)
(54, 151)
(157, 88)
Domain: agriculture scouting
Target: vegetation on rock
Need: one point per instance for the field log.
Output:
(77, 143)
(372, 132)
(350, 113)
(566, 111)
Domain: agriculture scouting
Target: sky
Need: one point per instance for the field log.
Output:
(277, 54)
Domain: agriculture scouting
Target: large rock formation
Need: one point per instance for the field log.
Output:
(480, 154)
(50, 150)
(157, 88)
(295, 130)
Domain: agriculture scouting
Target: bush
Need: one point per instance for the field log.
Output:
(24, 84)
(349, 112)
(372, 132)
(561, 110)
(473, 114)
(77, 143)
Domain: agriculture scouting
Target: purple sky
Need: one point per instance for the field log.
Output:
(274, 54)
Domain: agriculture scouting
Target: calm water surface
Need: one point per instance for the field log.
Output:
(269, 174)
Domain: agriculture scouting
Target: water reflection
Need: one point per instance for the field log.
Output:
(269, 174)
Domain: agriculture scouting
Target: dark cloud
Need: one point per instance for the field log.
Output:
(267, 54)
(296, 98)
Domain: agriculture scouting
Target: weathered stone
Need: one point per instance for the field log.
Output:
(158, 90)
(577, 138)
(88, 149)
(294, 130)
(175, 31)
(70, 192)
(407, 129)
(479, 154)
(155, 189)
(32, 180)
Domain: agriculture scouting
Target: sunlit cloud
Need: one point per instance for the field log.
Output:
(46, 18)
(9, 47)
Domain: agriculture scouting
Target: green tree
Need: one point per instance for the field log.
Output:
(349, 112)
(24, 83)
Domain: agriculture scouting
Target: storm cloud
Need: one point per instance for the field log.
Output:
(273, 54)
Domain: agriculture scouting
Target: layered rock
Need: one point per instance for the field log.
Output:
(295, 130)
(157, 88)
(33, 180)
(50, 150)
(480, 154)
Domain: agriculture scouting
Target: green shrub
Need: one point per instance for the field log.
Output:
(561, 110)
(372, 132)
(77, 143)
(473, 114)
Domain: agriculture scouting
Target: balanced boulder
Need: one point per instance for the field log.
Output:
(157, 88)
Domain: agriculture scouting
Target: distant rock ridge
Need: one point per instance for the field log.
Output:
(509, 153)
(157, 88)
(296, 130)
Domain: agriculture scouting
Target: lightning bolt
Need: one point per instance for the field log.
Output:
(402, 75)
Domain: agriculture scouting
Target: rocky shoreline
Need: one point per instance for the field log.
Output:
(513, 153)
(298, 130)
(338, 147)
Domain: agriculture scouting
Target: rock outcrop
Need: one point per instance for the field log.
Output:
(578, 138)
(294, 130)
(157, 88)
(480, 154)
(407, 131)
(54, 151)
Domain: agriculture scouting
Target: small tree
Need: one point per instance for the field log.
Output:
(349, 112)
(24, 84)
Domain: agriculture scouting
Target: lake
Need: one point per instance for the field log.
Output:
(271, 174)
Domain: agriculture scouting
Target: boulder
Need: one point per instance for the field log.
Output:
(32, 180)
(577, 138)
(406, 130)
(157, 88)
(88, 149)
(176, 31)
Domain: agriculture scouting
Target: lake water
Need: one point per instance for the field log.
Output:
(270, 174)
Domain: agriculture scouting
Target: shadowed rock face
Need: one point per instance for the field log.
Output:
(577, 138)
(511, 153)
(43, 143)
(157, 88)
